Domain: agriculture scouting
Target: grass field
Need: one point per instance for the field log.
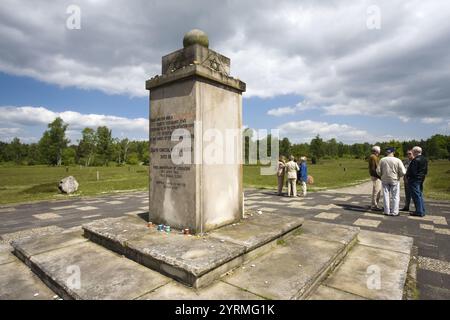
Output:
(327, 174)
(437, 183)
(32, 183)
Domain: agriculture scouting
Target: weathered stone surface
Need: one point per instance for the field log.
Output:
(68, 185)
(258, 230)
(289, 271)
(386, 241)
(216, 291)
(119, 230)
(185, 258)
(103, 274)
(328, 293)
(330, 231)
(364, 261)
(195, 36)
(30, 246)
(34, 232)
(19, 283)
(196, 261)
(6, 253)
(195, 93)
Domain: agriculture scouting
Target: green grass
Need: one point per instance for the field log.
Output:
(327, 174)
(31, 183)
(437, 182)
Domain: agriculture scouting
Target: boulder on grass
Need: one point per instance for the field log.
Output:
(68, 185)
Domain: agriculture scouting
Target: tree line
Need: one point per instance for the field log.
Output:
(95, 148)
(99, 148)
(435, 147)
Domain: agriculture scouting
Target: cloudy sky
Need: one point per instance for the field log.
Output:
(352, 70)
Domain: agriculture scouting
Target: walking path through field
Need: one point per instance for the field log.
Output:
(347, 206)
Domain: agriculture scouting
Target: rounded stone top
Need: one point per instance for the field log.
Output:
(195, 36)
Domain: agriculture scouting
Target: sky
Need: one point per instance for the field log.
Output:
(357, 71)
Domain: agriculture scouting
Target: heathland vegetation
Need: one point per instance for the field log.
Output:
(31, 172)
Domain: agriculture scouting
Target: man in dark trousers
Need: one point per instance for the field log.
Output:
(406, 163)
(417, 170)
(376, 182)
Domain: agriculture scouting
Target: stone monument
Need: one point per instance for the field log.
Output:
(197, 95)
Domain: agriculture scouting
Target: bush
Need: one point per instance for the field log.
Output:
(133, 159)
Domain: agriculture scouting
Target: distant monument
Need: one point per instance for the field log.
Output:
(193, 102)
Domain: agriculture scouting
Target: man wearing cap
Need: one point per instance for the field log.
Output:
(417, 170)
(391, 169)
(376, 182)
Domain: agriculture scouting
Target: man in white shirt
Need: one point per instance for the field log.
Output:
(291, 170)
(391, 169)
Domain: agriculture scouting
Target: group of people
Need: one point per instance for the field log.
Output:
(296, 174)
(386, 174)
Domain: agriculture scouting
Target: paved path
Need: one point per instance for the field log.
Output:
(70, 213)
(345, 206)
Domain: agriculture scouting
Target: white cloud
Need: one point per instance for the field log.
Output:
(432, 120)
(26, 117)
(283, 111)
(322, 51)
(305, 130)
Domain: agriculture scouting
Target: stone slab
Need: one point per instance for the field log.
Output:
(103, 274)
(386, 241)
(258, 230)
(330, 231)
(291, 270)
(6, 255)
(363, 261)
(20, 283)
(327, 215)
(328, 293)
(185, 258)
(192, 260)
(30, 246)
(9, 237)
(367, 223)
(217, 291)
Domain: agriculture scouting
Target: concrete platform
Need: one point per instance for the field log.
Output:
(218, 290)
(192, 260)
(376, 268)
(298, 264)
(102, 274)
(30, 246)
(29, 233)
(17, 282)
(327, 293)
(6, 254)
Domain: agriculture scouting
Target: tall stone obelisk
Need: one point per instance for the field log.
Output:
(195, 93)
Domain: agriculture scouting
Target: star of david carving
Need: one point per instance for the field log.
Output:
(214, 64)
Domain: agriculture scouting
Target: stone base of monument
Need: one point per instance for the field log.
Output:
(315, 261)
(193, 260)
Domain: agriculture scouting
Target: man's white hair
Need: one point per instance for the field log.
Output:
(376, 149)
(417, 150)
